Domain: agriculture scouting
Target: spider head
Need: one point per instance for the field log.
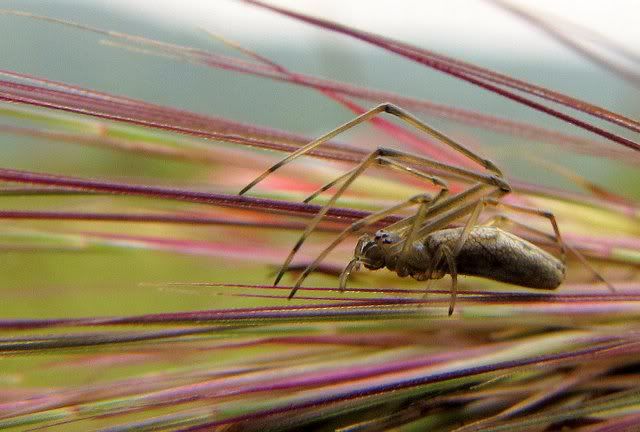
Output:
(373, 252)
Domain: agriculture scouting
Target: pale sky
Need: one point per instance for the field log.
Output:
(475, 23)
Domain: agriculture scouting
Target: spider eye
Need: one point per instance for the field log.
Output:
(381, 234)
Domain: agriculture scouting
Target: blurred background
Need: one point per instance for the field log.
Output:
(109, 279)
(474, 31)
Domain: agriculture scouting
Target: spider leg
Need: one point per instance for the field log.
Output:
(502, 219)
(536, 212)
(495, 178)
(402, 161)
(421, 200)
(443, 251)
(451, 261)
(354, 173)
(383, 161)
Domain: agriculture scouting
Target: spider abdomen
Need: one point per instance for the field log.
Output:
(492, 253)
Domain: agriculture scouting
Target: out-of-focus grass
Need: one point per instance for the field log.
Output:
(370, 360)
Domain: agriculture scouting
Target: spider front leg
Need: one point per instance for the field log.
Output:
(408, 118)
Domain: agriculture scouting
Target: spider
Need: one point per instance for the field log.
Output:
(421, 245)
